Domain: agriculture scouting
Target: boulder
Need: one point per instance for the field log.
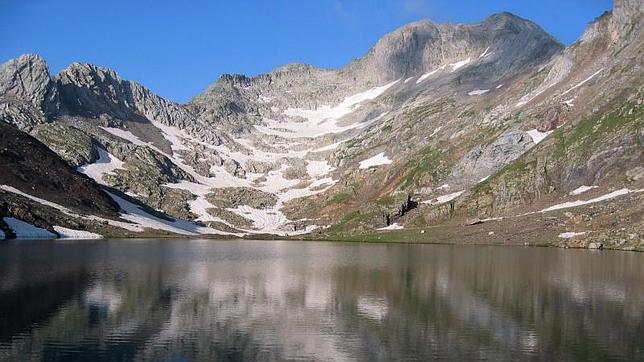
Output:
(596, 246)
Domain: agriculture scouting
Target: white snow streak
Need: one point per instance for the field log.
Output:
(478, 92)
(454, 66)
(34, 198)
(582, 82)
(581, 189)
(458, 65)
(570, 234)
(577, 203)
(429, 74)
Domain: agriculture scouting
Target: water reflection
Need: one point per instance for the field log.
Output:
(204, 300)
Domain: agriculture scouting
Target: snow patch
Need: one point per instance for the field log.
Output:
(126, 135)
(478, 92)
(570, 103)
(538, 136)
(105, 164)
(577, 203)
(408, 80)
(458, 65)
(499, 86)
(581, 189)
(377, 160)
(393, 226)
(263, 219)
(66, 233)
(25, 230)
(443, 199)
(570, 234)
(485, 53)
(172, 135)
(323, 120)
(136, 215)
(318, 168)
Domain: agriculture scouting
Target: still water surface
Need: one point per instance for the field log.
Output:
(278, 300)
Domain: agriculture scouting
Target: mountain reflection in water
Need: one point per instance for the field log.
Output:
(275, 300)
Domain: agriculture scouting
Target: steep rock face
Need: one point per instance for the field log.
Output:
(27, 94)
(423, 46)
(627, 14)
(25, 78)
(90, 91)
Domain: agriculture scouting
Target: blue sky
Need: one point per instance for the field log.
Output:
(177, 48)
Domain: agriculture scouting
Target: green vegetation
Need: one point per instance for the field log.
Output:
(351, 220)
(386, 201)
(430, 109)
(427, 166)
(339, 198)
(588, 133)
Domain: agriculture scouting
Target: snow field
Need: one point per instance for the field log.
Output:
(377, 160)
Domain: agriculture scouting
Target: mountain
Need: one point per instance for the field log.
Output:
(493, 124)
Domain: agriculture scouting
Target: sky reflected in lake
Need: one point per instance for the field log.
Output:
(281, 300)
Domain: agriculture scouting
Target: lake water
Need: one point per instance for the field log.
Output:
(280, 300)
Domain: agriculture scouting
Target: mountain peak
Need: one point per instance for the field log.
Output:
(424, 45)
(25, 77)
